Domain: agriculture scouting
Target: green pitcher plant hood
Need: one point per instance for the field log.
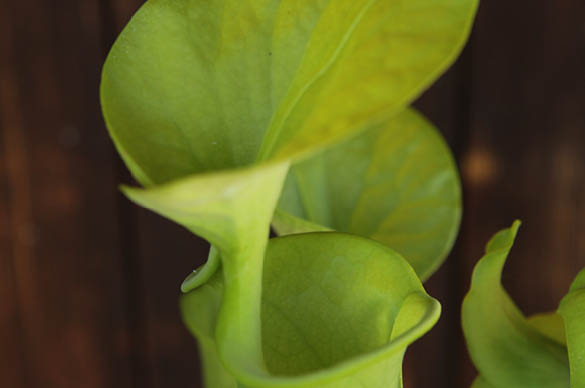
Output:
(396, 183)
(210, 102)
(337, 311)
(510, 350)
(193, 86)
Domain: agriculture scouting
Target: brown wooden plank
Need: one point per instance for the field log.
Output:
(164, 255)
(114, 15)
(65, 247)
(12, 357)
(169, 253)
(426, 362)
(526, 152)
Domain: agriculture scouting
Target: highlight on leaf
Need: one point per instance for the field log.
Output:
(232, 210)
(196, 86)
(210, 102)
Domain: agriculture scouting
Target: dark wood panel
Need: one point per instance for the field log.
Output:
(12, 357)
(168, 253)
(163, 255)
(65, 247)
(526, 153)
(114, 15)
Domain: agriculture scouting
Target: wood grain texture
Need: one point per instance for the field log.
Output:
(168, 253)
(13, 208)
(12, 357)
(526, 149)
(64, 247)
(429, 361)
(160, 255)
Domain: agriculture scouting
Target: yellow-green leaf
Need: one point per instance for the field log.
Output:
(507, 350)
(397, 184)
(338, 311)
(192, 86)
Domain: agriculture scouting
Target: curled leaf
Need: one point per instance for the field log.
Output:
(506, 348)
(397, 184)
(550, 325)
(232, 210)
(208, 102)
(337, 311)
(202, 274)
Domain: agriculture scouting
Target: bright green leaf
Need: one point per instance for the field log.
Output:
(572, 309)
(194, 91)
(337, 311)
(397, 184)
(192, 86)
(506, 349)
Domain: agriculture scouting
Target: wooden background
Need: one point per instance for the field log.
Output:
(89, 282)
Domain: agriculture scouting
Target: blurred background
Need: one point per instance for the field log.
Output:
(89, 283)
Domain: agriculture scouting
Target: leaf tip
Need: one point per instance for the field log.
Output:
(504, 239)
(202, 274)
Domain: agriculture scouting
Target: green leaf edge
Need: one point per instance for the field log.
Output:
(398, 342)
(202, 274)
(407, 99)
(351, 366)
(572, 309)
(550, 325)
(285, 223)
(140, 175)
(500, 243)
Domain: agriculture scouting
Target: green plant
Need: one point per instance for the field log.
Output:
(511, 351)
(212, 103)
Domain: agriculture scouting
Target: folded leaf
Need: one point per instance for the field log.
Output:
(550, 325)
(232, 210)
(572, 309)
(193, 86)
(193, 91)
(202, 274)
(337, 311)
(397, 184)
(506, 349)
